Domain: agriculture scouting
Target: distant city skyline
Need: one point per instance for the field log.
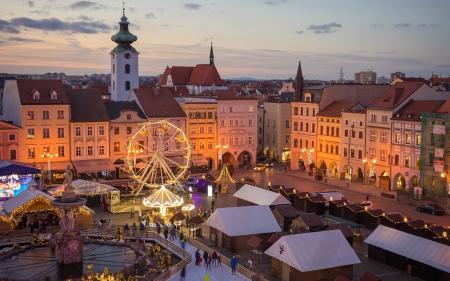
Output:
(262, 39)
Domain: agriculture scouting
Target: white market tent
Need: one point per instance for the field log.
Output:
(314, 251)
(259, 196)
(248, 220)
(425, 251)
(83, 187)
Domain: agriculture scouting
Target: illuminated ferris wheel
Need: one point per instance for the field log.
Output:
(165, 158)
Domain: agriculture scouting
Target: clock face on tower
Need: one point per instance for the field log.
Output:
(127, 55)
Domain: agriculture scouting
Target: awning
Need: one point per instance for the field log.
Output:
(55, 165)
(12, 167)
(199, 159)
(97, 165)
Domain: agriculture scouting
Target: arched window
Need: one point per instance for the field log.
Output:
(114, 68)
(127, 68)
(127, 85)
(114, 85)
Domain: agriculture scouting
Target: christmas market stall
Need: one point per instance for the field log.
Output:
(316, 204)
(346, 231)
(230, 229)
(324, 255)
(393, 219)
(300, 200)
(436, 233)
(245, 180)
(284, 215)
(413, 227)
(307, 222)
(33, 204)
(409, 253)
(250, 195)
(371, 218)
(288, 193)
(16, 177)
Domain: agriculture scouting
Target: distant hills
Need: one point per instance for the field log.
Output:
(243, 78)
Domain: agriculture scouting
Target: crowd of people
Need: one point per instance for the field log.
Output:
(37, 222)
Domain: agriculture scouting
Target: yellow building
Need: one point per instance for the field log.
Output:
(42, 109)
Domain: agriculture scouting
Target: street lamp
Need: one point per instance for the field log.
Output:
(49, 155)
(219, 147)
(365, 176)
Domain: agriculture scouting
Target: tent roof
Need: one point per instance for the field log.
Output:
(83, 187)
(257, 220)
(260, 196)
(425, 251)
(163, 197)
(314, 251)
(8, 167)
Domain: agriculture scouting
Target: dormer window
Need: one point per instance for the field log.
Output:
(308, 97)
(36, 94)
(53, 95)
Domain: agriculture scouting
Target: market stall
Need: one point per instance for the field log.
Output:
(249, 195)
(284, 216)
(15, 177)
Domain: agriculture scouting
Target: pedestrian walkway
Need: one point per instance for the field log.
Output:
(197, 272)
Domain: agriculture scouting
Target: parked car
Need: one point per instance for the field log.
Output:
(192, 182)
(367, 204)
(433, 209)
(269, 164)
(259, 167)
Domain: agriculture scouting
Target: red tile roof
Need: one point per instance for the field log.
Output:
(366, 276)
(413, 109)
(439, 80)
(104, 89)
(158, 103)
(231, 95)
(335, 108)
(205, 74)
(445, 107)
(179, 90)
(45, 87)
(396, 94)
(180, 75)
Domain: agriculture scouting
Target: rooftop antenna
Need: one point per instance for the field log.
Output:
(123, 8)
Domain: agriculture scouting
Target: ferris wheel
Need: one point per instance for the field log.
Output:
(166, 155)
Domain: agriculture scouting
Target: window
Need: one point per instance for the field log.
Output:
(408, 137)
(202, 146)
(89, 150)
(114, 85)
(45, 114)
(128, 130)
(407, 161)
(301, 126)
(287, 123)
(287, 139)
(222, 141)
(346, 133)
(101, 130)
(202, 130)
(373, 118)
(417, 163)
(31, 153)
(114, 68)
(250, 122)
(13, 154)
(295, 110)
(321, 130)
(46, 149)
(352, 153)
(31, 133)
(273, 138)
(89, 131)
(222, 109)
(360, 135)
(373, 135)
(250, 108)
(78, 151)
(231, 141)
(328, 131)
(60, 132)
(192, 115)
(396, 159)
(359, 154)
(209, 115)
(346, 122)
(268, 122)
(353, 134)
(360, 123)
(301, 143)
(202, 115)
(60, 114)
(313, 127)
(242, 122)
(321, 147)
(337, 132)
(383, 155)
(61, 151)
(418, 139)
(384, 119)
(295, 126)
(250, 140)
(210, 130)
(306, 127)
(313, 112)
(127, 86)
(306, 144)
(222, 123)
(345, 152)
(46, 133)
(231, 123)
(127, 68)
(30, 115)
(383, 136)
(312, 144)
(372, 152)
(397, 137)
(116, 130)
(326, 148)
(273, 122)
(116, 147)
(193, 131)
(295, 142)
(210, 145)
(301, 111)
(332, 131)
(101, 150)
(307, 111)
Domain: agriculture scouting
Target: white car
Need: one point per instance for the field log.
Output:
(259, 167)
(367, 204)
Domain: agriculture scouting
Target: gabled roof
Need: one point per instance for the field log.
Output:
(231, 95)
(45, 87)
(311, 220)
(335, 108)
(115, 108)
(260, 196)
(232, 222)
(287, 212)
(425, 251)
(158, 103)
(444, 107)
(22, 198)
(205, 74)
(86, 105)
(413, 110)
(103, 89)
(345, 229)
(314, 251)
(396, 94)
(180, 75)
(6, 125)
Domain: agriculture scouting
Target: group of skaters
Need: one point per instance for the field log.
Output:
(37, 222)
(214, 259)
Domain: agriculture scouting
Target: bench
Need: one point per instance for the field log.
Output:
(387, 195)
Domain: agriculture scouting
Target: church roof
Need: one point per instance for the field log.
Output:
(91, 111)
(180, 75)
(158, 102)
(205, 74)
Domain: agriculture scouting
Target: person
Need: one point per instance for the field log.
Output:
(166, 231)
(214, 259)
(249, 263)
(335, 171)
(206, 276)
(43, 226)
(147, 220)
(233, 264)
(173, 230)
(140, 214)
(109, 224)
(134, 226)
(132, 212)
(183, 273)
(187, 221)
(208, 262)
(367, 198)
(183, 245)
(215, 192)
(141, 226)
(205, 257)
(126, 226)
(219, 260)
(212, 205)
(197, 256)
(181, 235)
(158, 228)
(285, 169)
(99, 224)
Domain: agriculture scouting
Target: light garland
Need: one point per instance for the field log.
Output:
(37, 241)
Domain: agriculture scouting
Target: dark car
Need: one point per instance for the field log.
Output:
(192, 182)
(431, 208)
(269, 164)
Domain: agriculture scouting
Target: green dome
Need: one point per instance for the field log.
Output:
(124, 37)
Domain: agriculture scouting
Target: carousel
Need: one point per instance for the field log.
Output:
(16, 177)
(163, 199)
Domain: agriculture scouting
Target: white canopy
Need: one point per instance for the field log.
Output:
(83, 187)
(249, 220)
(425, 251)
(314, 251)
(260, 196)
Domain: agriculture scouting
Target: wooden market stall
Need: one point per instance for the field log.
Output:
(316, 204)
(284, 216)
(414, 227)
(392, 219)
(250, 195)
(371, 218)
(346, 231)
(245, 180)
(300, 200)
(288, 193)
(307, 222)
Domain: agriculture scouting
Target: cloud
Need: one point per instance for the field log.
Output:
(40, 13)
(54, 24)
(324, 28)
(7, 27)
(300, 32)
(30, 3)
(275, 2)
(150, 16)
(86, 5)
(402, 25)
(375, 25)
(84, 18)
(20, 39)
(192, 6)
(427, 25)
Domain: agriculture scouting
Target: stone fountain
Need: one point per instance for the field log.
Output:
(68, 242)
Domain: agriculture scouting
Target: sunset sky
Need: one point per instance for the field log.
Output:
(251, 38)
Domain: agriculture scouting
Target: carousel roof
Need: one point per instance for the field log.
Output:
(83, 187)
(163, 198)
(8, 167)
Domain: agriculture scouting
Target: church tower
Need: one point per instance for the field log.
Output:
(211, 56)
(298, 83)
(124, 63)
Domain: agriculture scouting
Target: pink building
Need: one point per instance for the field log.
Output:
(10, 141)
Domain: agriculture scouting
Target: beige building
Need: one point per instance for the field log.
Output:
(277, 129)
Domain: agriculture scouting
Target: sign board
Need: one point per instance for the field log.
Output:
(438, 165)
(439, 152)
(439, 129)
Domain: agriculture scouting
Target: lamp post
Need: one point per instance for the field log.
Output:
(135, 151)
(219, 151)
(365, 176)
(49, 155)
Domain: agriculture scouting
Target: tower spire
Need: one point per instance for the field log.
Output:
(123, 8)
(211, 55)
(298, 83)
